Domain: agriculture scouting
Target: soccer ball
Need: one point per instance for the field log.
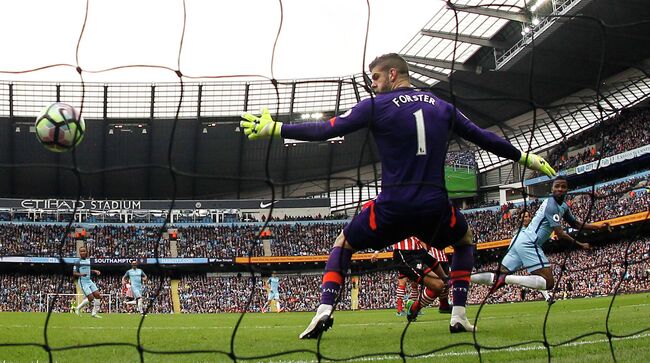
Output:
(59, 127)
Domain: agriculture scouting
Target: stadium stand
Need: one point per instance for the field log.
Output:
(303, 238)
(590, 273)
(626, 131)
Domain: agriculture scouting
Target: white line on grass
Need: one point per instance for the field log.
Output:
(471, 352)
(134, 327)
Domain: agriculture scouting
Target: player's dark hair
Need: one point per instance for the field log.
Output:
(560, 177)
(390, 60)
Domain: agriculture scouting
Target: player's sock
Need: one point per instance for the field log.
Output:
(95, 306)
(83, 303)
(483, 278)
(337, 265)
(546, 295)
(461, 268)
(140, 305)
(444, 303)
(532, 281)
(278, 306)
(401, 290)
(132, 302)
(415, 292)
(427, 297)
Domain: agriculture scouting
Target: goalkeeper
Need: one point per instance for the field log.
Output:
(411, 129)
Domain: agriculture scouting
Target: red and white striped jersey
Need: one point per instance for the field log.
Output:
(439, 255)
(409, 244)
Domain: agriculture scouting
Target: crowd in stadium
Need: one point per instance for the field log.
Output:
(626, 131)
(460, 159)
(594, 272)
(610, 201)
(289, 239)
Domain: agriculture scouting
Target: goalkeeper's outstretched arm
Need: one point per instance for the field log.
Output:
(263, 126)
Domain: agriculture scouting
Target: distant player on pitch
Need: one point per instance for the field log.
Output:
(136, 277)
(82, 272)
(273, 284)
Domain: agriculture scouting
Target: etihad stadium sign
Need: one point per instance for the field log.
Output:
(115, 205)
(63, 204)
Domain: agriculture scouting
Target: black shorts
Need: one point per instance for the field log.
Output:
(377, 227)
(414, 264)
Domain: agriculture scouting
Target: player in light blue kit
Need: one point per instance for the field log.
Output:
(526, 247)
(136, 277)
(274, 294)
(82, 272)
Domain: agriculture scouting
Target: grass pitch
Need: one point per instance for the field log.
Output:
(575, 331)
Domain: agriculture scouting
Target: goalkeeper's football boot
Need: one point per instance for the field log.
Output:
(321, 322)
(460, 325)
(96, 316)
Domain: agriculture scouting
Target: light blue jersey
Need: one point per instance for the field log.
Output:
(548, 216)
(135, 277)
(82, 266)
(274, 283)
(525, 248)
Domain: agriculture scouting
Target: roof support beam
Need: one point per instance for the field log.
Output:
(484, 42)
(419, 84)
(429, 73)
(439, 63)
(488, 92)
(518, 17)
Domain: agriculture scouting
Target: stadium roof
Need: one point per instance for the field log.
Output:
(492, 83)
(516, 57)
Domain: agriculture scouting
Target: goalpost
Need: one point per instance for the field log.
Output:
(67, 298)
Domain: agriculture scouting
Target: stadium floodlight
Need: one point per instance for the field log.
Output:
(537, 5)
(317, 115)
(304, 116)
(535, 21)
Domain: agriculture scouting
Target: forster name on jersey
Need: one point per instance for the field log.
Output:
(399, 100)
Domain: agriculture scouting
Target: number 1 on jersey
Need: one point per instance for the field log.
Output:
(422, 136)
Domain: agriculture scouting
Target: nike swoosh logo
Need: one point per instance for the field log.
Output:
(265, 205)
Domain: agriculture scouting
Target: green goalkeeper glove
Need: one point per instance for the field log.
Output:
(260, 127)
(536, 162)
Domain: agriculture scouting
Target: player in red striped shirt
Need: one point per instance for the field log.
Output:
(441, 256)
(415, 263)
